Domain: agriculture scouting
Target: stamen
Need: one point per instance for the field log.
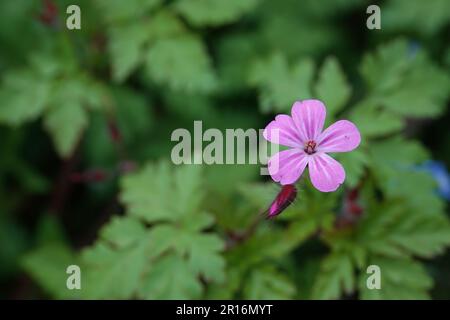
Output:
(310, 147)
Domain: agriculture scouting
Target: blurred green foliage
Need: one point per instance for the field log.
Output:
(85, 123)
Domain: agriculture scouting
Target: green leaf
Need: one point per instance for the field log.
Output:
(397, 174)
(397, 153)
(50, 231)
(24, 96)
(165, 24)
(170, 278)
(66, 123)
(202, 250)
(267, 283)
(396, 230)
(143, 191)
(167, 63)
(384, 68)
(204, 257)
(213, 12)
(128, 43)
(126, 48)
(134, 114)
(271, 243)
(39, 91)
(402, 15)
(123, 231)
(423, 92)
(115, 11)
(113, 274)
(405, 83)
(179, 240)
(354, 164)
(404, 183)
(280, 84)
(332, 87)
(401, 279)
(47, 266)
(424, 236)
(374, 122)
(336, 277)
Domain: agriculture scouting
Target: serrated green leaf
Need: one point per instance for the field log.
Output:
(267, 283)
(204, 258)
(123, 231)
(280, 84)
(397, 153)
(384, 68)
(47, 266)
(170, 278)
(167, 59)
(113, 274)
(423, 92)
(332, 86)
(403, 14)
(164, 24)
(404, 83)
(354, 164)
(126, 47)
(396, 230)
(401, 279)
(115, 11)
(374, 122)
(143, 191)
(24, 97)
(213, 12)
(336, 277)
(66, 123)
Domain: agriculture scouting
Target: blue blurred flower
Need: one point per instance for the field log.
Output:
(440, 173)
(413, 48)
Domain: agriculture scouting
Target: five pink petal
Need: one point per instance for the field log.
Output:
(306, 124)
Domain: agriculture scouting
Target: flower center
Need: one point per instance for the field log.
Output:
(310, 147)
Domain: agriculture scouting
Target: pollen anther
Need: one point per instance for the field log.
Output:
(310, 147)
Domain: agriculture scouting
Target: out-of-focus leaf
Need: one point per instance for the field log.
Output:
(354, 164)
(267, 283)
(123, 231)
(112, 273)
(401, 279)
(384, 69)
(373, 122)
(47, 266)
(126, 47)
(423, 92)
(143, 191)
(115, 11)
(332, 87)
(408, 84)
(170, 278)
(65, 124)
(213, 12)
(280, 84)
(204, 256)
(24, 97)
(166, 64)
(396, 231)
(404, 15)
(336, 277)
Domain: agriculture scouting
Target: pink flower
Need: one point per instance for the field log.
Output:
(310, 145)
